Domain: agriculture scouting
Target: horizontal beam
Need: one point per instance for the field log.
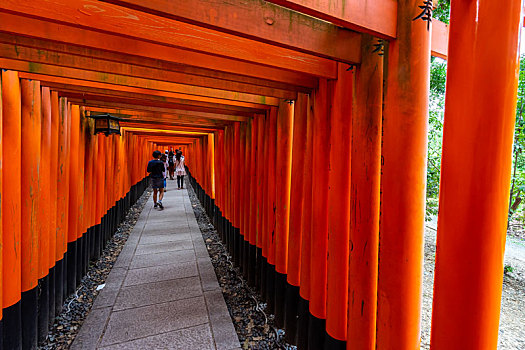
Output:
(262, 21)
(185, 91)
(376, 17)
(163, 119)
(84, 86)
(118, 48)
(439, 43)
(163, 126)
(186, 81)
(304, 85)
(148, 115)
(117, 105)
(131, 103)
(98, 16)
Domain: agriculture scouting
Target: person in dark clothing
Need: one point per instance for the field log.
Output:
(156, 172)
(171, 164)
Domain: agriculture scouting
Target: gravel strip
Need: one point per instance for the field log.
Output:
(255, 327)
(76, 307)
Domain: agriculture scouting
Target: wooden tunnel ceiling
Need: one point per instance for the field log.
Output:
(190, 66)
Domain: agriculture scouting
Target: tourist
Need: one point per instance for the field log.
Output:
(171, 164)
(164, 160)
(155, 170)
(180, 169)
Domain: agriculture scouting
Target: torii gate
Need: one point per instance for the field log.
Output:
(305, 126)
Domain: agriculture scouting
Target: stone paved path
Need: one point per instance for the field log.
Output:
(162, 292)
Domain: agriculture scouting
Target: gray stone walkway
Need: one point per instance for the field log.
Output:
(162, 292)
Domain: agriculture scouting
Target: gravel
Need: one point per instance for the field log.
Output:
(76, 308)
(255, 327)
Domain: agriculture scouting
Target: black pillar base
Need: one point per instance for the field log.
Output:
(29, 307)
(270, 288)
(43, 307)
(12, 327)
(264, 267)
(71, 256)
(316, 332)
(245, 259)
(291, 316)
(51, 296)
(252, 263)
(59, 285)
(80, 261)
(303, 315)
(280, 292)
(258, 267)
(237, 249)
(331, 343)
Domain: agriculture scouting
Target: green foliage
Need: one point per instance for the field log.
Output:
(508, 269)
(438, 78)
(518, 159)
(442, 11)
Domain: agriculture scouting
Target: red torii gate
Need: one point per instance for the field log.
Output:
(268, 89)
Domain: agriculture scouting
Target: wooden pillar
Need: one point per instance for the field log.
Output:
(258, 188)
(476, 166)
(303, 309)
(30, 176)
(403, 182)
(211, 163)
(270, 209)
(44, 223)
(319, 235)
(285, 120)
(264, 212)
(365, 198)
(53, 174)
(59, 108)
(299, 158)
(246, 201)
(72, 254)
(11, 224)
(339, 207)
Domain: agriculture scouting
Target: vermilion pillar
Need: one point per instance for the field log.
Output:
(339, 207)
(285, 119)
(262, 237)
(1, 229)
(306, 224)
(403, 182)
(256, 219)
(62, 198)
(53, 171)
(74, 197)
(246, 200)
(30, 198)
(475, 171)
(296, 213)
(319, 234)
(11, 224)
(44, 214)
(364, 199)
(272, 193)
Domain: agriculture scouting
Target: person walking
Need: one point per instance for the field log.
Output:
(171, 164)
(155, 170)
(180, 170)
(164, 160)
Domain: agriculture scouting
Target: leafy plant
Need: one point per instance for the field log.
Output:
(508, 269)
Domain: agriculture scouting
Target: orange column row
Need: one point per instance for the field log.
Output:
(62, 197)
